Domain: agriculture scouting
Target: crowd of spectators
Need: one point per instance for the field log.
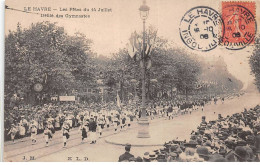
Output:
(234, 138)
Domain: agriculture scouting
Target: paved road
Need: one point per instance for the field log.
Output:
(102, 151)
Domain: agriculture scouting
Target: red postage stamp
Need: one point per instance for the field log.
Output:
(239, 24)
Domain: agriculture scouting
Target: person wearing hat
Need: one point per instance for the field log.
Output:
(146, 157)
(51, 128)
(12, 132)
(126, 155)
(23, 121)
(203, 153)
(241, 154)
(33, 134)
(189, 155)
(128, 122)
(152, 157)
(172, 157)
(175, 148)
(22, 131)
(65, 133)
(83, 128)
(162, 157)
(57, 123)
(115, 123)
(107, 121)
(100, 122)
(46, 133)
(92, 130)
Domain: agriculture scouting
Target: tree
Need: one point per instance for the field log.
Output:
(255, 62)
(172, 67)
(44, 53)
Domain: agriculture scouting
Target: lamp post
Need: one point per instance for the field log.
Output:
(134, 82)
(143, 131)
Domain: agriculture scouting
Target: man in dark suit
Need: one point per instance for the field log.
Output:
(126, 156)
(92, 130)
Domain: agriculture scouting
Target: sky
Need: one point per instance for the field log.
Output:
(110, 31)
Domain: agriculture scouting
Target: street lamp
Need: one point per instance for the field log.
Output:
(144, 11)
(143, 122)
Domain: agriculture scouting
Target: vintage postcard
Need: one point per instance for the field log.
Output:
(132, 81)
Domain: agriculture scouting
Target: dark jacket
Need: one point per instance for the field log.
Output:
(125, 156)
(92, 126)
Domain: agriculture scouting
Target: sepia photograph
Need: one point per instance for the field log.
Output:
(131, 81)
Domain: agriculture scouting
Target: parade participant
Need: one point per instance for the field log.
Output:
(33, 134)
(57, 123)
(100, 123)
(107, 121)
(190, 110)
(65, 133)
(126, 156)
(51, 128)
(68, 119)
(46, 135)
(12, 132)
(152, 113)
(215, 100)
(84, 131)
(123, 124)
(92, 130)
(169, 111)
(128, 122)
(115, 123)
(23, 121)
(202, 104)
(21, 131)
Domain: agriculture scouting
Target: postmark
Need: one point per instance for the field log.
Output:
(240, 24)
(200, 28)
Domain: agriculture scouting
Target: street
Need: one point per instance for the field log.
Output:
(161, 129)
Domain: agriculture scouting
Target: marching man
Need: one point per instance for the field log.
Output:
(128, 122)
(33, 134)
(107, 121)
(65, 133)
(21, 131)
(57, 123)
(92, 130)
(115, 123)
(51, 128)
(13, 132)
(100, 123)
(84, 131)
(46, 134)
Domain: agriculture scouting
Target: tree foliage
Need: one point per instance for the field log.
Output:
(255, 62)
(44, 53)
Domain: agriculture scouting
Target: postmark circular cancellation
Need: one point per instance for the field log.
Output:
(200, 28)
(240, 24)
